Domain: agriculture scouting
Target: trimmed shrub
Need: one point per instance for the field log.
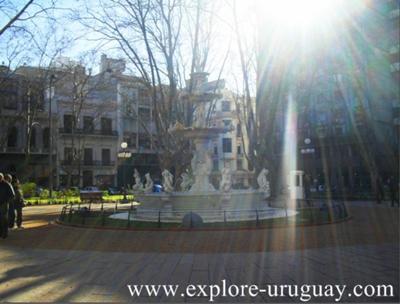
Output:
(58, 194)
(72, 192)
(45, 193)
(28, 189)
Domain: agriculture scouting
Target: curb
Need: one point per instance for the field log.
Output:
(205, 229)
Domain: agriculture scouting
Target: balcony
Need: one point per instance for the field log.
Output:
(86, 163)
(67, 131)
(21, 150)
(225, 114)
(12, 150)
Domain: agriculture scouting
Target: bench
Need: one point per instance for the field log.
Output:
(91, 196)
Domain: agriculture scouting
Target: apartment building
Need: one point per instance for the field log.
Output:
(24, 123)
(87, 128)
(134, 120)
(91, 116)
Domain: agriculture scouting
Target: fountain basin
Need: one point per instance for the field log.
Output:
(208, 216)
(216, 200)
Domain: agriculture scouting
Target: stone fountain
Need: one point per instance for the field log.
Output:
(197, 193)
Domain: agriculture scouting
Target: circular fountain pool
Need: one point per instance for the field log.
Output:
(207, 215)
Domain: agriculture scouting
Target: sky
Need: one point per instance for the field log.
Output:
(285, 18)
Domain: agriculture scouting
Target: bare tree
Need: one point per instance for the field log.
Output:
(19, 15)
(263, 87)
(153, 35)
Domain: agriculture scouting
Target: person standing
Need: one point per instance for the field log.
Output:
(393, 188)
(11, 203)
(6, 195)
(18, 203)
(379, 192)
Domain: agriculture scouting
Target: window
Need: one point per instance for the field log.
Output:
(106, 125)
(225, 106)
(46, 138)
(297, 181)
(9, 101)
(143, 96)
(68, 123)
(144, 114)
(68, 155)
(37, 99)
(239, 164)
(63, 179)
(130, 139)
(75, 180)
(12, 137)
(339, 129)
(215, 165)
(87, 178)
(227, 123)
(88, 156)
(227, 145)
(215, 150)
(144, 141)
(239, 150)
(321, 131)
(130, 109)
(88, 125)
(105, 156)
(33, 138)
(8, 94)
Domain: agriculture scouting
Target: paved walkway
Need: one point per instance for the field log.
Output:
(56, 263)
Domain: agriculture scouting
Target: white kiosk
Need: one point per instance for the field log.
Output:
(296, 186)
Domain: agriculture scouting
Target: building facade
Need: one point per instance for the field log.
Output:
(91, 116)
(229, 148)
(134, 120)
(87, 135)
(24, 124)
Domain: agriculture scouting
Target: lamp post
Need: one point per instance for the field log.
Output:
(52, 77)
(124, 154)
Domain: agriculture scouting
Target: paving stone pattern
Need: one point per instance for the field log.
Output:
(91, 276)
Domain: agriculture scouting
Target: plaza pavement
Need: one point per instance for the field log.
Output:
(47, 262)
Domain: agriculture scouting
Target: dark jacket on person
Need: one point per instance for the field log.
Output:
(6, 192)
(18, 199)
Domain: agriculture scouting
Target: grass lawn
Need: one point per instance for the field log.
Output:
(72, 199)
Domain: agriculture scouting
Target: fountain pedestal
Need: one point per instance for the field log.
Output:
(201, 166)
(201, 162)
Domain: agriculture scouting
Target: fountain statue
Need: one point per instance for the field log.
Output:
(148, 185)
(186, 182)
(263, 183)
(167, 181)
(226, 181)
(202, 167)
(138, 184)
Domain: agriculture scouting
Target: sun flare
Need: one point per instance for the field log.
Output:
(299, 14)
